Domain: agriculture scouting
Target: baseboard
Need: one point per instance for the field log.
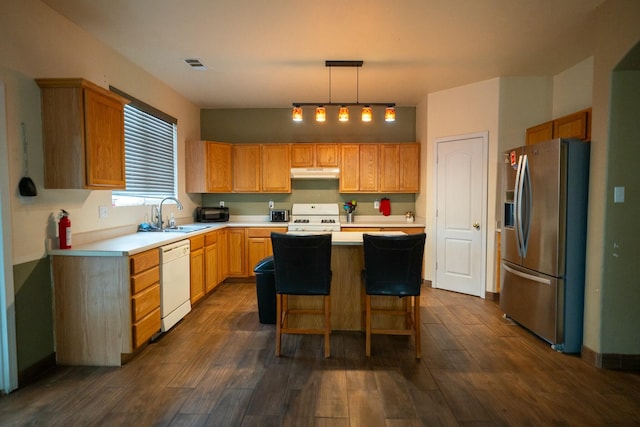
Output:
(35, 371)
(492, 296)
(622, 362)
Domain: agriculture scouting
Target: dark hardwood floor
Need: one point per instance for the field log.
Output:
(217, 367)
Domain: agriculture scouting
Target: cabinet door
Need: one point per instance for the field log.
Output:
(223, 255)
(409, 168)
(196, 272)
(104, 141)
(539, 133)
(349, 168)
(246, 168)
(258, 248)
(210, 267)
(218, 168)
(302, 155)
(368, 168)
(276, 168)
(237, 255)
(573, 126)
(389, 167)
(327, 155)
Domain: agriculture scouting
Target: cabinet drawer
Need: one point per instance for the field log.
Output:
(211, 238)
(144, 261)
(196, 242)
(145, 302)
(145, 328)
(145, 279)
(264, 232)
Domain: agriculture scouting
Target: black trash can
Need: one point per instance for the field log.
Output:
(266, 290)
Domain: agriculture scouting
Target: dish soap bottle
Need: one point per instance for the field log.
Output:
(172, 221)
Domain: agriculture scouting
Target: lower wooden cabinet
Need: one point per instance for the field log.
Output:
(259, 245)
(105, 307)
(145, 296)
(196, 268)
(210, 261)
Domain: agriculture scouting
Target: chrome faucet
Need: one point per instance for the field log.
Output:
(160, 223)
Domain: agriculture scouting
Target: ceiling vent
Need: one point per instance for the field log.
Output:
(195, 63)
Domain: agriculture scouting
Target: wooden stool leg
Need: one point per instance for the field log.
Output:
(416, 325)
(367, 303)
(327, 326)
(278, 323)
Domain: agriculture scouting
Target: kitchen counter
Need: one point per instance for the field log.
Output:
(133, 243)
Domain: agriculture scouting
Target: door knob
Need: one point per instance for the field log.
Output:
(476, 225)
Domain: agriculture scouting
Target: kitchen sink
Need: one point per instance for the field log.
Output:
(177, 229)
(185, 228)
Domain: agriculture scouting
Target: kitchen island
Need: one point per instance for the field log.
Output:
(347, 292)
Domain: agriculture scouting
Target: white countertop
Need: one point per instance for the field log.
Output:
(131, 244)
(348, 238)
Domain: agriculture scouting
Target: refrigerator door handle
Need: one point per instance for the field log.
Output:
(517, 213)
(527, 207)
(527, 276)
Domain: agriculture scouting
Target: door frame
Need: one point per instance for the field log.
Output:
(484, 214)
(8, 349)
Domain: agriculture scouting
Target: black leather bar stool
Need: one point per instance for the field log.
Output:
(393, 267)
(302, 267)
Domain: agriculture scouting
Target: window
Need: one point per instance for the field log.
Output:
(150, 154)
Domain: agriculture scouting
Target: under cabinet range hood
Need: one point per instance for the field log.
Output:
(315, 173)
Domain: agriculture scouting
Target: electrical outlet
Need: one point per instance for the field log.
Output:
(221, 204)
(102, 212)
(376, 204)
(271, 204)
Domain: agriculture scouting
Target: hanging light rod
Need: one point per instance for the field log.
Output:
(321, 114)
(343, 63)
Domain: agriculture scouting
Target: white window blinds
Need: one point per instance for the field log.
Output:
(150, 151)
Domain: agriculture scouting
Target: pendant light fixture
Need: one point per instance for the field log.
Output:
(343, 112)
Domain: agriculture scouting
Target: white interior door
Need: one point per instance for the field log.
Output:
(461, 199)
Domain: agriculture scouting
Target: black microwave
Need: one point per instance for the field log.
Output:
(205, 214)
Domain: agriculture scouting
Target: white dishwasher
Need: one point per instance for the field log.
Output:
(174, 283)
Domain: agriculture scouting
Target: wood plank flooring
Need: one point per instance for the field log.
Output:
(217, 368)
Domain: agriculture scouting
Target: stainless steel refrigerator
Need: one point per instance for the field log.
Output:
(545, 192)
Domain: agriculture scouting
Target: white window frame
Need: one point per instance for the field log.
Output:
(154, 154)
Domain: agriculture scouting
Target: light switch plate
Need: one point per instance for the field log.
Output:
(102, 212)
(376, 204)
(618, 194)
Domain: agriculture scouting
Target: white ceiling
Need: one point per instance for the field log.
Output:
(270, 53)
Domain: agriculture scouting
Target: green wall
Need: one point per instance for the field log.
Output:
(268, 125)
(621, 283)
(34, 313)
(308, 191)
(275, 125)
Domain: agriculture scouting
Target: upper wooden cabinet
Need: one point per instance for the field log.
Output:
(399, 168)
(261, 168)
(380, 168)
(83, 135)
(305, 155)
(208, 167)
(576, 125)
(276, 168)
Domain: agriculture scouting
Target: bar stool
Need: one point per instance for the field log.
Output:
(302, 267)
(393, 267)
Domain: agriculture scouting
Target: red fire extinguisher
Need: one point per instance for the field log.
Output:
(64, 230)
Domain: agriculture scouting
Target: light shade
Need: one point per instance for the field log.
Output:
(343, 114)
(321, 114)
(390, 114)
(297, 114)
(367, 113)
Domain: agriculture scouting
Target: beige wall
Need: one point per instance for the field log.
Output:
(37, 42)
(463, 110)
(573, 89)
(61, 49)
